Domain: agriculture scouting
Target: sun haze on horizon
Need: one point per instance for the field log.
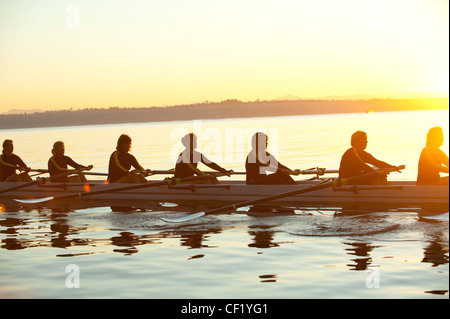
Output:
(79, 54)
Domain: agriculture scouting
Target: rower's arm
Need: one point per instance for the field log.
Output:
(281, 166)
(185, 157)
(368, 158)
(136, 164)
(278, 166)
(21, 163)
(74, 164)
(211, 164)
(439, 160)
(444, 161)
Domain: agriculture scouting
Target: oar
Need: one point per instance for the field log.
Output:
(172, 171)
(162, 172)
(334, 183)
(169, 181)
(316, 171)
(39, 170)
(145, 173)
(42, 171)
(39, 180)
(36, 174)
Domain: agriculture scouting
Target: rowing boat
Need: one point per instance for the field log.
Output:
(395, 193)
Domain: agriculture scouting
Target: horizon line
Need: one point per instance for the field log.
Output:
(287, 98)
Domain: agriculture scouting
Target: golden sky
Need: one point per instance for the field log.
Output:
(59, 54)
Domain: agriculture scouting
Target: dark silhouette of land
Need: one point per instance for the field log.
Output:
(216, 110)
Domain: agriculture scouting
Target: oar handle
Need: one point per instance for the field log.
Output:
(39, 170)
(68, 172)
(162, 172)
(216, 173)
(229, 172)
(399, 168)
(316, 171)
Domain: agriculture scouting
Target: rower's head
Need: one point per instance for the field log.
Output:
(359, 140)
(58, 148)
(124, 143)
(260, 141)
(189, 141)
(8, 147)
(435, 137)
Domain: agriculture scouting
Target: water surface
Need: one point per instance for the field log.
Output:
(321, 252)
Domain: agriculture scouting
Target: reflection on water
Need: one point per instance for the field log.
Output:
(97, 233)
(196, 238)
(436, 254)
(127, 242)
(54, 229)
(263, 237)
(362, 253)
(268, 278)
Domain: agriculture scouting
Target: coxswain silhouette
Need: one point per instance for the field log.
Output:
(433, 160)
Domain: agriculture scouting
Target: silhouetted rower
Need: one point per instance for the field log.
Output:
(10, 162)
(121, 161)
(355, 162)
(188, 160)
(259, 163)
(58, 165)
(433, 160)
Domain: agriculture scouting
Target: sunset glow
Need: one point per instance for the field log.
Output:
(81, 54)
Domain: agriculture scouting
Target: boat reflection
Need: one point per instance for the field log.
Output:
(127, 242)
(263, 237)
(56, 227)
(436, 253)
(194, 239)
(361, 251)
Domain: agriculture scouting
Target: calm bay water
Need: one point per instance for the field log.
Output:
(312, 254)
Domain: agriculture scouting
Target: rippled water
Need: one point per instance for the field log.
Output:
(322, 252)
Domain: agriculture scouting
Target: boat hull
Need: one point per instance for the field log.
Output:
(393, 194)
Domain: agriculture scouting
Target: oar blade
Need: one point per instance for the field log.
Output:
(183, 218)
(34, 201)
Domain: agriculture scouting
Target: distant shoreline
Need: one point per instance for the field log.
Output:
(216, 110)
